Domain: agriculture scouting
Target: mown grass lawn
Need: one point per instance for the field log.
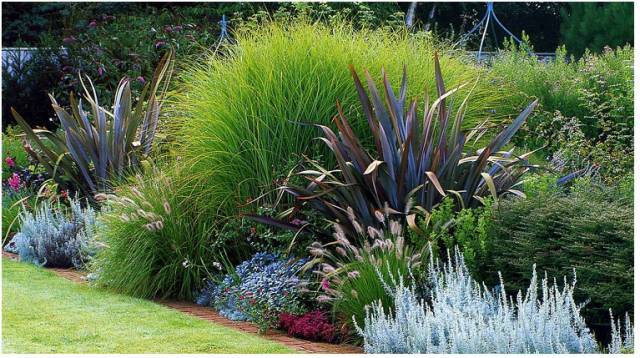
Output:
(43, 313)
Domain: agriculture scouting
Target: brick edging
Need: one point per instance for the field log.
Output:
(209, 314)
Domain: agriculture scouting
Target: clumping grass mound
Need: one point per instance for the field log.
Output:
(239, 109)
(153, 248)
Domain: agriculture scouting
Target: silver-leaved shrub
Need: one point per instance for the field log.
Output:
(48, 237)
(462, 316)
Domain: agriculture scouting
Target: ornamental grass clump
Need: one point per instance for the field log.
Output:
(347, 268)
(241, 111)
(462, 316)
(154, 247)
(51, 237)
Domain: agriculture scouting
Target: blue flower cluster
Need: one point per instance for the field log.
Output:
(261, 286)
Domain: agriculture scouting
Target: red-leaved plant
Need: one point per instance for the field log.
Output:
(314, 326)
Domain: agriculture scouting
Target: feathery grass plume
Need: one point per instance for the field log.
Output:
(241, 111)
(146, 252)
(347, 266)
(462, 316)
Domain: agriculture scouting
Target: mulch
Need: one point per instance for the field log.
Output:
(209, 314)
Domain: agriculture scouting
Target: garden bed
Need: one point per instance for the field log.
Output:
(314, 183)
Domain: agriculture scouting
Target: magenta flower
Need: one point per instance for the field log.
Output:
(325, 284)
(10, 162)
(160, 44)
(14, 182)
(140, 79)
(93, 23)
(101, 70)
(69, 39)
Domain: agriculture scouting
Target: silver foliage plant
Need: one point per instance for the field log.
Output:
(463, 316)
(49, 238)
(621, 343)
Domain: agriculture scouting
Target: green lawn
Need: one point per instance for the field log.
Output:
(43, 313)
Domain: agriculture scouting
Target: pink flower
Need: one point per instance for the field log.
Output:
(10, 162)
(324, 284)
(93, 23)
(140, 79)
(101, 70)
(69, 39)
(14, 182)
(160, 44)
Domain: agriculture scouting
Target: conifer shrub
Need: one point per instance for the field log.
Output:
(589, 229)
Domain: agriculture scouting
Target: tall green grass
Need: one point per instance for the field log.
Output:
(143, 259)
(239, 109)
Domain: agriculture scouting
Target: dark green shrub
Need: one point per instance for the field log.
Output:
(445, 228)
(589, 229)
(595, 25)
(27, 77)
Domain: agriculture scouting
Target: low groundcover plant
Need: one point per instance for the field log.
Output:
(49, 237)
(462, 316)
(258, 290)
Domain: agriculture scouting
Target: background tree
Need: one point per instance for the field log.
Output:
(589, 25)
